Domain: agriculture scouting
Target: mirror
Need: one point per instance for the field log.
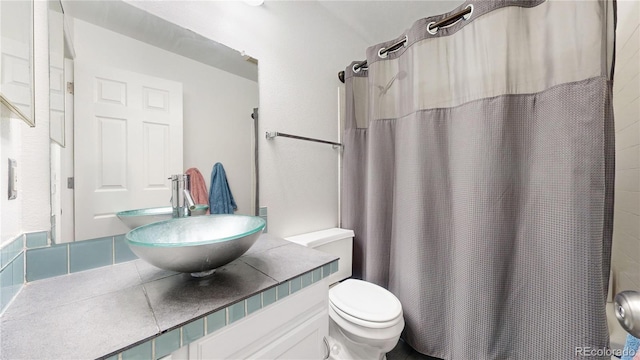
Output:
(56, 72)
(150, 99)
(16, 60)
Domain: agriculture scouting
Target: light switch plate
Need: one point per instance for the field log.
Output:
(13, 179)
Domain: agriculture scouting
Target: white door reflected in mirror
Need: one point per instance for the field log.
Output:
(128, 141)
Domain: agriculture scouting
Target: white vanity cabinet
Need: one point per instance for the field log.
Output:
(292, 328)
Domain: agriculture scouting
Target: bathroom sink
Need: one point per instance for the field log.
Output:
(196, 245)
(139, 217)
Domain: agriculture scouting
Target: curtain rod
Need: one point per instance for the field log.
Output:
(273, 134)
(433, 26)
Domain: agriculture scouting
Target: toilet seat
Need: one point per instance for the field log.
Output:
(364, 323)
(365, 304)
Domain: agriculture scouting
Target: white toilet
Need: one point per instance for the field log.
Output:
(365, 319)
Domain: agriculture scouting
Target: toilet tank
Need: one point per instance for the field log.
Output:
(338, 242)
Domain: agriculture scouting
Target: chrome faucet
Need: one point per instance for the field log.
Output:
(181, 200)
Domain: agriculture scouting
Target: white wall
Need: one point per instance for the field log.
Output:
(300, 47)
(30, 147)
(217, 104)
(11, 210)
(35, 179)
(626, 102)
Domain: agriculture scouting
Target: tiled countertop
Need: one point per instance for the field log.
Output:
(103, 311)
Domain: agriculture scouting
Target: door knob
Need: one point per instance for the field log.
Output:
(627, 307)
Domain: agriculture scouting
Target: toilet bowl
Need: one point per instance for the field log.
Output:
(365, 320)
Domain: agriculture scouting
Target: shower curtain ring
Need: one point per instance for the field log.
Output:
(468, 15)
(405, 43)
(384, 52)
(430, 30)
(435, 29)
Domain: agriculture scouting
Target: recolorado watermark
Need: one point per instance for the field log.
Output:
(589, 351)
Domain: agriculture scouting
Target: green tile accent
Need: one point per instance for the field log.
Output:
(295, 285)
(334, 266)
(46, 262)
(90, 254)
(36, 239)
(269, 297)
(18, 270)
(114, 357)
(140, 352)
(167, 343)
(236, 312)
(6, 286)
(254, 303)
(317, 275)
(192, 331)
(122, 250)
(283, 290)
(306, 279)
(326, 271)
(11, 250)
(12, 276)
(216, 321)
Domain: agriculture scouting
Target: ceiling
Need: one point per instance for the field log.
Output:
(128, 20)
(374, 21)
(377, 21)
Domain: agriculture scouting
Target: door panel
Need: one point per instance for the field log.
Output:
(128, 141)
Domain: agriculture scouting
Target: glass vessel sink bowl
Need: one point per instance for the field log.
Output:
(196, 245)
(139, 217)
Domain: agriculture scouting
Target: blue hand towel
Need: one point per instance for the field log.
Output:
(220, 197)
(631, 347)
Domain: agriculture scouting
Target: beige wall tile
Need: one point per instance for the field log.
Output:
(628, 201)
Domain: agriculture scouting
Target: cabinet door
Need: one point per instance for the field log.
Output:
(304, 342)
(292, 328)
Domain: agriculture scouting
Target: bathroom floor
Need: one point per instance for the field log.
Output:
(402, 351)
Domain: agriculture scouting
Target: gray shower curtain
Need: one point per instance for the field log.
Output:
(478, 178)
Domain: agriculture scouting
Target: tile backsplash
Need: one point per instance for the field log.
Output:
(11, 250)
(87, 255)
(29, 258)
(47, 262)
(36, 239)
(12, 269)
(61, 259)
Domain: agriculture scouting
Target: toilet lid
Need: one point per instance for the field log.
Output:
(365, 301)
